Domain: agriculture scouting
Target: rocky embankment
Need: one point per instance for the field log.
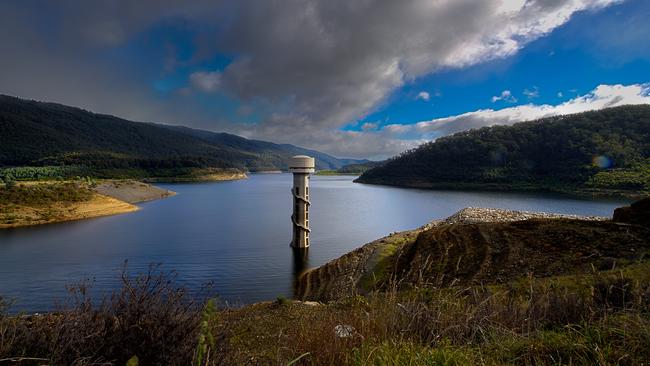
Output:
(480, 246)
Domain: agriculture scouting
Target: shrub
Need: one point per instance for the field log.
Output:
(148, 317)
(281, 300)
(206, 339)
(10, 183)
(44, 194)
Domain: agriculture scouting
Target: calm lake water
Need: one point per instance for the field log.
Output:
(235, 234)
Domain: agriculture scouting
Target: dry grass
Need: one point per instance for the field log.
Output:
(149, 317)
(33, 203)
(602, 318)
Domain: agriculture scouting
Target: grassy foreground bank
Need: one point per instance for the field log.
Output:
(594, 319)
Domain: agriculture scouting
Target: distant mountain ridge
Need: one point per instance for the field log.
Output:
(604, 151)
(41, 133)
(323, 160)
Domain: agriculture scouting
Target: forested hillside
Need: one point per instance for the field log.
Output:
(269, 154)
(46, 134)
(599, 150)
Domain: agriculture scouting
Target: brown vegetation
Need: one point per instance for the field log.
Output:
(42, 203)
(598, 319)
(592, 319)
(149, 317)
(478, 246)
(487, 253)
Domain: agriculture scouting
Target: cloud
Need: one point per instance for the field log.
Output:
(380, 143)
(311, 66)
(206, 81)
(603, 96)
(331, 71)
(369, 126)
(424, 96)
(505, 96)
(531, 93)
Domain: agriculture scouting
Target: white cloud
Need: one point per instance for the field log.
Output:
(424, 96)
(379, 143)
(369, 126)
(505, 96)
(603, 96)
(206, 81)
(531, 93)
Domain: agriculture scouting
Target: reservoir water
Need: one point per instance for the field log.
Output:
(235, 234)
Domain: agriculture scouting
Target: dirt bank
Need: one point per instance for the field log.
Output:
(97, 205)
(131, 191)
(477, 245)
(37, 203)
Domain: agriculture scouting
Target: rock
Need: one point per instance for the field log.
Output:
(473, 215)
(638, 213)
(344, 331)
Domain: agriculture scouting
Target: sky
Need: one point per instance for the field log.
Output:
(363, 78)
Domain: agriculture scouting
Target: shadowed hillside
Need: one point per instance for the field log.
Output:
(39, 134)
(605, 151)
(486, 253)
(482, 247)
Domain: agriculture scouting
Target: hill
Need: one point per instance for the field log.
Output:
(604, 151)
(271, 155)
(47, 134)
(351, 169)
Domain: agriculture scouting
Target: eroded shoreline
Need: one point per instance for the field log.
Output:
(110, 197)
(362, 269)
(100, 198)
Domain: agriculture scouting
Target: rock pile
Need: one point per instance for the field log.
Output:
(473, 215)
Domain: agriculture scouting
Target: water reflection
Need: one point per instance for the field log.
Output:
(300, 261)
(300, 265)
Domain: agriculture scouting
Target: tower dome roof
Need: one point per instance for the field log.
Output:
(302, 164)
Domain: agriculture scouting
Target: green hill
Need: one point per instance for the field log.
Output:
(599, 151)
(47, 134)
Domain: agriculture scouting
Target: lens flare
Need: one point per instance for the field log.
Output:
(602, 161)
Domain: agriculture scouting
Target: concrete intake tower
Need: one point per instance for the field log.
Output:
(301, 166)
